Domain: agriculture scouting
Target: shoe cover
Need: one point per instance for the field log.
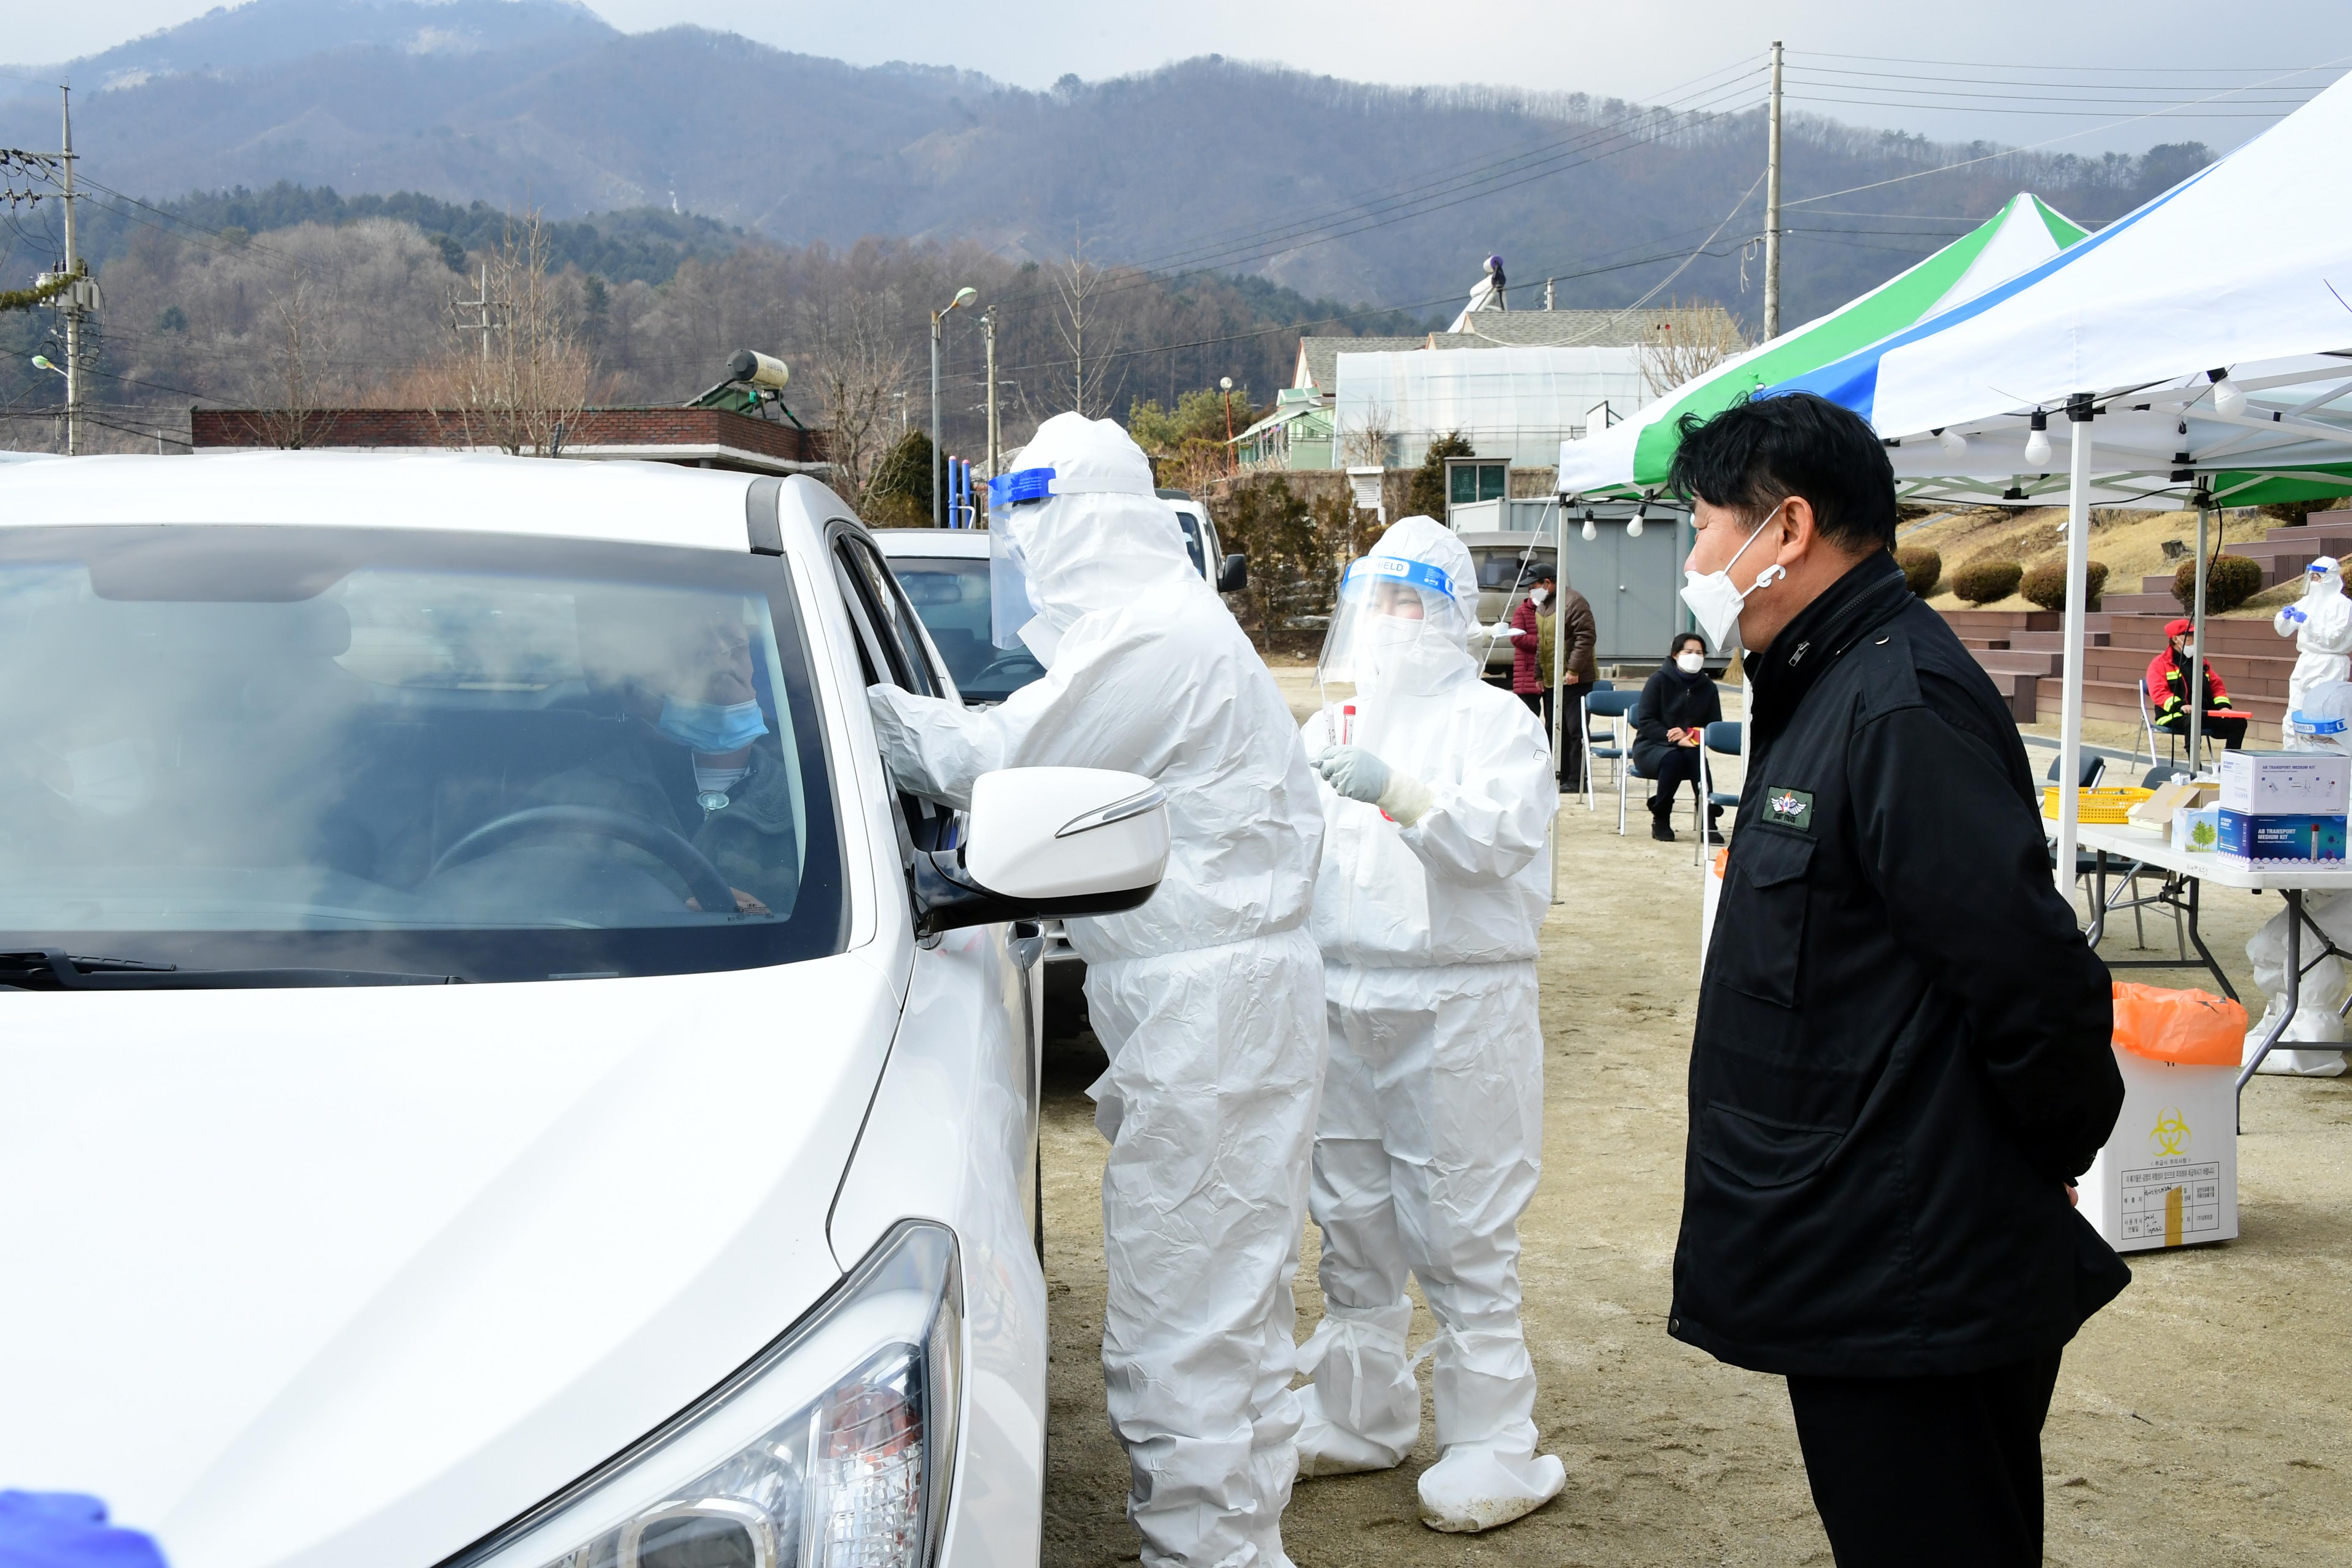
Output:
(1476, 1488)
(1363, 1412)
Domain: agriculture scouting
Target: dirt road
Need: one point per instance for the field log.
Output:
(2203, 1417)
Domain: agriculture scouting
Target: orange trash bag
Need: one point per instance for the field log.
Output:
(2194, 1028)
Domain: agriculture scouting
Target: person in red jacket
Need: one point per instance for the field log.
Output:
(2167, 692)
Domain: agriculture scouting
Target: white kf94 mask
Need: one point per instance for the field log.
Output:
(1715, 603)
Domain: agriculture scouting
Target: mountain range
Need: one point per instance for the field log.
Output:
(1391, 197)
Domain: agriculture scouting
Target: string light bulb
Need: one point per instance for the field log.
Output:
(2229, 397)
(2037, 441)
(1634, 524)
(1589, 532)
(1954, 442)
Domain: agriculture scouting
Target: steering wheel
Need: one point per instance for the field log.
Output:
(1009, 663)
(702, 879)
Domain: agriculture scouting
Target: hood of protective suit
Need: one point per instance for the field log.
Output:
(2323, 579)
(1406, 658)
(1102, 540)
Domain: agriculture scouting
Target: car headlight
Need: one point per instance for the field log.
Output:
(833, 1447)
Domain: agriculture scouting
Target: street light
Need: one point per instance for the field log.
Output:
(41, 361)
(963, 297)
(1225, 387)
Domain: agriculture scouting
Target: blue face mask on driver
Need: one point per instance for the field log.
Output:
(710, 728)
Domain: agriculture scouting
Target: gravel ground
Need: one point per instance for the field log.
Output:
(2203, 1414)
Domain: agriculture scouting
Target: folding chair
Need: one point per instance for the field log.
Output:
(1722, 737)
(1584, 727)
(1616, 708)
(2172, 738)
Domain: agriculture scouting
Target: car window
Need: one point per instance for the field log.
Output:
(1501, 570)
(1193, 546)
(893, 621)
(426, 752)
(886, 658)
(951, 595)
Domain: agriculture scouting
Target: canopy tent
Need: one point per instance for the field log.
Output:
(1633, 455)
(2170, 340)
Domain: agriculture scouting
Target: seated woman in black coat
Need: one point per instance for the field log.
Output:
(1676, 707)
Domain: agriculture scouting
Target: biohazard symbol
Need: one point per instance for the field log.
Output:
(2170, 1133)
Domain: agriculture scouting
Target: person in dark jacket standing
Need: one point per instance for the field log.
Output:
(1669, 723)
(1547, 611)
(1901, 1060)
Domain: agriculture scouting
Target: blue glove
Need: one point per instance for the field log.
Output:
(67, 1530)
(1354, 772)
(2292, 613)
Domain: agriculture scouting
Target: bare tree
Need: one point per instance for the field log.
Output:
(860, 368)
(296, 324)
(1365, 442)
(1079, 285)
(521, 390)
(1685, 343)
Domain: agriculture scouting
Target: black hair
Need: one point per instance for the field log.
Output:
(1761, 451)
(1675, 648)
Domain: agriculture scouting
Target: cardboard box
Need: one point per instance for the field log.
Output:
(2156, 811)
(2280, 840)
(2286, 783)
(2168, 1175)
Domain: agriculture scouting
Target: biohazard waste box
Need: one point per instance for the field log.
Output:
(2168, 1175)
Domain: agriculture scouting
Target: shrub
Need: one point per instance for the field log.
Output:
(1426, 496)
(1922, 568)
(2230, 581)
(2046, 583)
(1983, 582)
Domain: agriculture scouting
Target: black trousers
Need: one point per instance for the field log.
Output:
(1572, 738)
(1668, 772)
(2231, 733)
(1922, 1472)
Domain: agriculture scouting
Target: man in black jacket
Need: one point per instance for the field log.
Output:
(1901, 1060)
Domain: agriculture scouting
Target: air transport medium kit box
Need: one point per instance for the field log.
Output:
(2285, 783)
(2168, 1175)
(2277, 840)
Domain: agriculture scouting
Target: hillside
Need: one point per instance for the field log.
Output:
(1336, 189)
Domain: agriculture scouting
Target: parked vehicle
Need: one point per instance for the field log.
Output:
(1505, 564)
(498, 1077)
(1230, 575)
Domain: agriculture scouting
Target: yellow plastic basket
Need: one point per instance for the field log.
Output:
(2095, 806)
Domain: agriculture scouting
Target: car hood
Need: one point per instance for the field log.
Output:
(352, 1277)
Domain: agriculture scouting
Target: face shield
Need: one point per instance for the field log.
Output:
(1011, 605)
(2324, 723)
(1396, 627)
(2323, 577)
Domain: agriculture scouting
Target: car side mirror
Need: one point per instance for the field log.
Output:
(1234, 575)
(1046, 844)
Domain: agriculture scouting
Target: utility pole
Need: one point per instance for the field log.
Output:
(485, 326)
(74, 294)
(988, 327)
(1773, 209)
(939, 477)
(1548, 283)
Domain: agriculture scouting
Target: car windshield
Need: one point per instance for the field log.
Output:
(480, 756)
(950, 594)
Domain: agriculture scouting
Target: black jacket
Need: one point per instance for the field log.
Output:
(1671, 700)
(1902, 1047)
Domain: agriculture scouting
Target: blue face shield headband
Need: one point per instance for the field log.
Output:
(1369, 572)
(1020, 485)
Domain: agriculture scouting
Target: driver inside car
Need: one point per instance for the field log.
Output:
(700, 755)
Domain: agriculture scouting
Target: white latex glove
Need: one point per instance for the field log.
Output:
(1361, 775)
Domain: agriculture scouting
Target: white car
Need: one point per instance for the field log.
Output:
(496, 1075)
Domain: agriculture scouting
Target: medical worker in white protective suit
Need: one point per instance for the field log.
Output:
(1206, 998)
(2321, 624)
(2322, 722)
(1426, 1147)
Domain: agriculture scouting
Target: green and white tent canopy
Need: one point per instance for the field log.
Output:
(1631, 458)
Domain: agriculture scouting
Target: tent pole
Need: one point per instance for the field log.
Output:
(2078, 555)
(1559, 694)
(2197, 641)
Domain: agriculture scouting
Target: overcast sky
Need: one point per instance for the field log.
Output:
(2035, 69)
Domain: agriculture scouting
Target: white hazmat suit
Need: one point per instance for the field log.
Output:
(1427, 1144)
(2322, 721)
(2321, 624)
(1204, 998)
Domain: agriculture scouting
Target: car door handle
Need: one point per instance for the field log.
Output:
(1026, 941)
